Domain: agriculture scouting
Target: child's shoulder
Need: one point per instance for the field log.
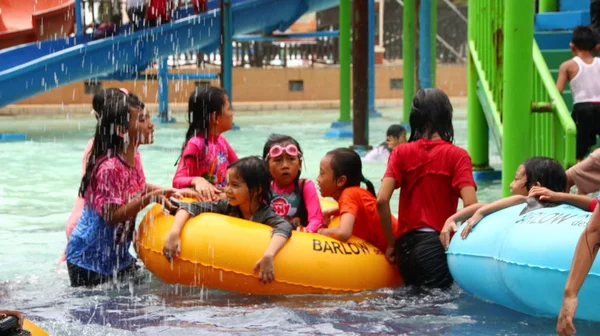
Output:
(304, 182)
(458, 151)
(569, 64)
(108, 164)
(354, 192)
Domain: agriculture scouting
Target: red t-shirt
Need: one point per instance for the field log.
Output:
(430, 175)
(363, 205)
(159, 9)
(199, 6)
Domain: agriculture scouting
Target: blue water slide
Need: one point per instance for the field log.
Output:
(41, 66)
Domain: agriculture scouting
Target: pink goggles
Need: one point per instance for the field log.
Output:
(278, 150)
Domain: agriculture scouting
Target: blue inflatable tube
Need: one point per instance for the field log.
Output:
(522, 261)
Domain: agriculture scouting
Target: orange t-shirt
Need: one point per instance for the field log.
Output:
(363, 205)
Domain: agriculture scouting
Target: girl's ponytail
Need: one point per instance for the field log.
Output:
(201, 104)
(370, 186)
(112, 109)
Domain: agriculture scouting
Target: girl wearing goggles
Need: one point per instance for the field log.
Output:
(294, 198)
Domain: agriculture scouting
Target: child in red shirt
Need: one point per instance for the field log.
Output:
(340, 175)
(159, 11)
(200, 6)
(432, 175)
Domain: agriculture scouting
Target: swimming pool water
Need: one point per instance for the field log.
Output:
(38, 184)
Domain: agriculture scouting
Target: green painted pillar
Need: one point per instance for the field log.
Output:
(408, 55)
(477, 127)
(345, 49)
(517, 87)
(548, 6)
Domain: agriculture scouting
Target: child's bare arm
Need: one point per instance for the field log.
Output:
(450, 225)
(543, 194)
(501, 204)
(562, 79)
(490, 208)
(581, 201)
(466, 213)
(171, 247)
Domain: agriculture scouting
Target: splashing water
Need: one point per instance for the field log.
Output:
(34, 208)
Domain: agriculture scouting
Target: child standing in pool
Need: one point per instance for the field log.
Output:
(293, 198)
(248, 197)
(340, 176)
(432, 174)
(582, 72)
(395, 135)
(97, 105)
(206, 153)
(115, 190)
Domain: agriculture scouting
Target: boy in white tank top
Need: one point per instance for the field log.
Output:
(583, 73)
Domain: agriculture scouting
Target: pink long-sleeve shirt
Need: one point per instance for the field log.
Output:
(209, 162)
(285, 203)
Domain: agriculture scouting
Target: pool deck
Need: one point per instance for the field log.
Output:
(459, 104)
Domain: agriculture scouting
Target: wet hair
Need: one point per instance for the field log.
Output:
(284, 140)
(395, 131)
(584, 38)
(99, 99)
(431, 112)
(202, 103)
(116, 19)
(255, 174)
(112, 108)
(548, 172)
(346, 162)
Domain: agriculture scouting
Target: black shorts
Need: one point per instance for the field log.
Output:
(587, 119)
(422, 260)
(83, 277)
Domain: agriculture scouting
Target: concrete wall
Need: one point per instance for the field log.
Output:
(254, 85)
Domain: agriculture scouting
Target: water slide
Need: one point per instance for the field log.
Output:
(25, 21)
(33, 68)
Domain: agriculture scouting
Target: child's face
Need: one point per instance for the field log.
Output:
(237, 190)
(326, 180)
(518, 185)
(393, 141)
(141, 128)
(224, 122)
(284, 168)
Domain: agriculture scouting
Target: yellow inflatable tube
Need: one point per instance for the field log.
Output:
(33, 329)
(220, 252)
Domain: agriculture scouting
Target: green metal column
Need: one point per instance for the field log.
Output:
(477, 127)
(345, 44)
(548, 6)
(518, 87)
(408, 55)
